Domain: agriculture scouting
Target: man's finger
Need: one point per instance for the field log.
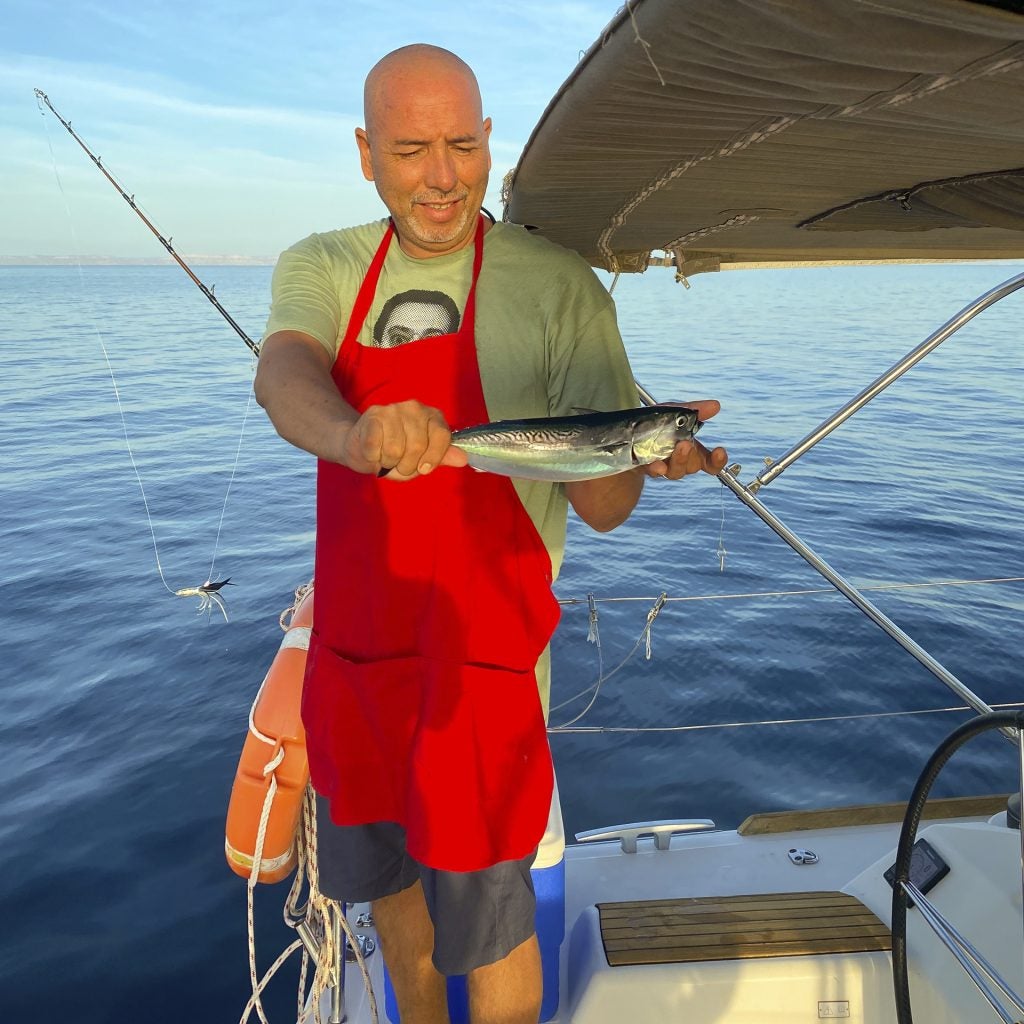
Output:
(705, 408)
(716, 461)
(367, 440)
(439, 439)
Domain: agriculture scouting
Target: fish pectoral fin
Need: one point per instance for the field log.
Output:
(615, 448)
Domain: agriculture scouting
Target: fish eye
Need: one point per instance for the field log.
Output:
(682, 421)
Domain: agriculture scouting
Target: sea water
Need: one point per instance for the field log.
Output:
(122, 711)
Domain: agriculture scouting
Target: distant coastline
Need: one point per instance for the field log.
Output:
(136, 261)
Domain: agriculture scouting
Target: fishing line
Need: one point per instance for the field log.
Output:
(231, 479)
(720, 550)
(207, 592)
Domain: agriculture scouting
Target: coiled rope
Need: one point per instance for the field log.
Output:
(316, 913)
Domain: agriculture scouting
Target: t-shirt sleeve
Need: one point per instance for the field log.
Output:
(304, 295)
(589, 369)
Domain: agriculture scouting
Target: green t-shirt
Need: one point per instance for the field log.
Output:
(547, 340)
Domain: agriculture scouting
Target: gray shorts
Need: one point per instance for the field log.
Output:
(479, 916)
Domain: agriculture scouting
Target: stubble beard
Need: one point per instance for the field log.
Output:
(424, 231)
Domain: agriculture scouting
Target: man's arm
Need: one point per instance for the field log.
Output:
(608, 501)
(293, 383)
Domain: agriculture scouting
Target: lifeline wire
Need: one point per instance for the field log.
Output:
(645, 635)
(800, 593)
(769, 721)
(40, 99)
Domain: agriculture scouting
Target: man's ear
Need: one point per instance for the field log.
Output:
(487, 140)
(365, 161)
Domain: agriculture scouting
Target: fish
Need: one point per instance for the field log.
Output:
(560, 449)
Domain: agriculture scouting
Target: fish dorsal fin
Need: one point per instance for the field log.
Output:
(584, 412)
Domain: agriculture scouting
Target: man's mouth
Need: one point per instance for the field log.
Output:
(440, 205)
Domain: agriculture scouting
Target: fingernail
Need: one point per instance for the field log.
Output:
(426, 467)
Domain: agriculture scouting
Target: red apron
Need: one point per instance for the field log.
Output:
(433, 604)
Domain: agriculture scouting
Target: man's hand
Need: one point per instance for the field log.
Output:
(691, 456)
(400, 442)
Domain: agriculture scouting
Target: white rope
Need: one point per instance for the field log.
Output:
(680, 243)
(315, 914)
(319, 907)
(254, 874)
(285, 618)
(637, 38)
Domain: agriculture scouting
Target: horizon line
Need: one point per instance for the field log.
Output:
(200, 259)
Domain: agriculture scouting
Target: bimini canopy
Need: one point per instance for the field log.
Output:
(737, 132)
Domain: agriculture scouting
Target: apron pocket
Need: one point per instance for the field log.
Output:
(455, 753)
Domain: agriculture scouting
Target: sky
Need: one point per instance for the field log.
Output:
(231, 123)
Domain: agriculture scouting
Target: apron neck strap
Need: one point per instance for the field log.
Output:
(364, 300)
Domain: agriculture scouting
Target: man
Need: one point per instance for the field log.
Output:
(425, 728)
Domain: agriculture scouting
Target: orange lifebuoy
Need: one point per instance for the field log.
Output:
(273, 765)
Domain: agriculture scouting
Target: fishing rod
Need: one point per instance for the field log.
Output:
(165, 242)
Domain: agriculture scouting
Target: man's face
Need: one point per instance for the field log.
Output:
(427, 152)
(411, 321)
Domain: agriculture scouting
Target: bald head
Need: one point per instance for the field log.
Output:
(421, 68)
(425, 147)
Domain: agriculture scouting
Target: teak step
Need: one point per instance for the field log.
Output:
(738, 927)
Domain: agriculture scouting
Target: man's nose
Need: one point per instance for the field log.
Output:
(441, 173)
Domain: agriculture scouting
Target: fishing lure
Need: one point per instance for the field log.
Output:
(208, 594)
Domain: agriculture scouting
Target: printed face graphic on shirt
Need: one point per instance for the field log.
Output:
(412, 315)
